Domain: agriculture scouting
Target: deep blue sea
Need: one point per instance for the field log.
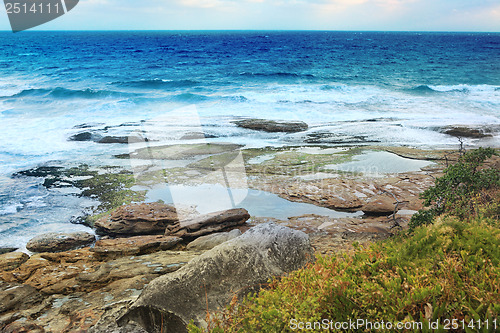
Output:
(359, 87)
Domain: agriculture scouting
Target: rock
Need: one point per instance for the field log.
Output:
(466, 132)
(379, 205)
(58, 242)
(208, 223)
(158, 263)
(210, 282)
(493, 163)
(14, 296)
(113, 139)
(85, 136)
(82, 271)
(197, 135)
(210, 241)
(180, 151)
(4, 250)
(324, 137)
(137, 219)
(43, 171)
(79, 311)
(137, 245)
(87, 125)
(12, 260)
(272, 125)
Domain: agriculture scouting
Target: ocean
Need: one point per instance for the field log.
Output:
(388, 88)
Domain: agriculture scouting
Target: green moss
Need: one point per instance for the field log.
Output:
(285, 161)
(111, 189)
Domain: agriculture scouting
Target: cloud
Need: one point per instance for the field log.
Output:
(471, 15)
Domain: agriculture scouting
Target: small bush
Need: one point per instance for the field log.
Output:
(422, 217)
(461, 190)
(447, 270)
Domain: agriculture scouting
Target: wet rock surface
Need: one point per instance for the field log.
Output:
(4, 250)
(467, 132)
(272, 125)
(100, 137)
(58, 242)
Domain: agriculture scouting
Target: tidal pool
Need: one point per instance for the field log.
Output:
(373, 163)
(210, 198)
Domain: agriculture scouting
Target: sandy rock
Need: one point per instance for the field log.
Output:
(79, 311)
(210, 281)
(136, 245)
(208, 223)
(273, 125)
(158, 263)
(14, 296)
(381, 204)
(58, 242)
(210, 241)
(81, 271)
(12, 260)
(137, 219)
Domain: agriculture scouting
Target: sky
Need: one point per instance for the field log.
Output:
(378, 15)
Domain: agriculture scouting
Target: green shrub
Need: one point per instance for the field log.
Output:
(450, 269)
(461, 190)
(422, 217)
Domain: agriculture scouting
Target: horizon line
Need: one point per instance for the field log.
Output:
(252, 30)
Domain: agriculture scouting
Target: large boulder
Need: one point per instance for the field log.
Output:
(272, 125)
(208, 223)
(210, 281)
(208, 242)
(137, 219)
(58, 242)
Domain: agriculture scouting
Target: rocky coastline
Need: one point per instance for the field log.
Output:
(155, 266)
